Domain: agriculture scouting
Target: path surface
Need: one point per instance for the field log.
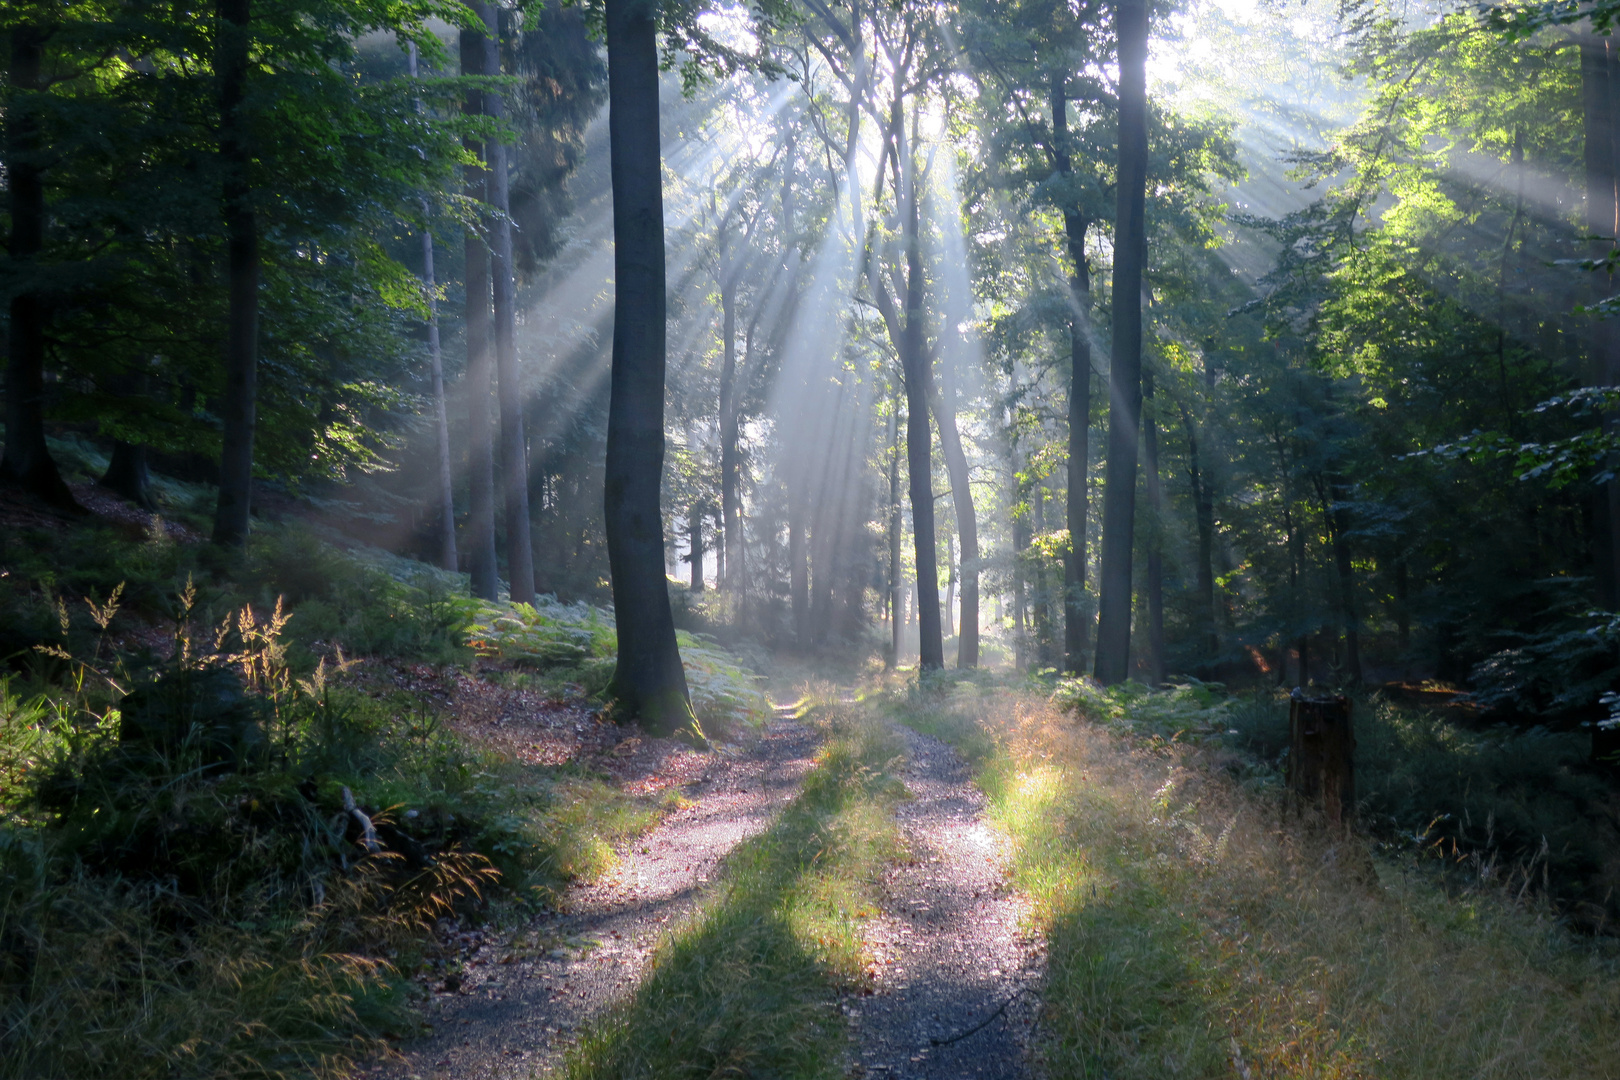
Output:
(948, 945)
(522, 999)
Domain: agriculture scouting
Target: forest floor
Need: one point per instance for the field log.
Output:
(948, 986)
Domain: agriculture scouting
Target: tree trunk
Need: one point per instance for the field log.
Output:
(799, 575)
(1322, 756)
(897, 602)
(919, 379)
(948, 627)
(1076, 623)
(648, 682)
(1338, 522)
(441, 418)
(694, 532)
(480, 438)
(1155, 538)
(1125, 370)
(967, 524)
(27, 462)
(239, 404)
(730, 463)
(1204, 524)
(127, 475)
(514, 447)
(1602, 219)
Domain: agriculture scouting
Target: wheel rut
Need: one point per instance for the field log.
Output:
(955, 978)
(523, 998)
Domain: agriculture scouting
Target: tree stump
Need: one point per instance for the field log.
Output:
(1321, 755)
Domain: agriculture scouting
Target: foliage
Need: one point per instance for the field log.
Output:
(1494, 800)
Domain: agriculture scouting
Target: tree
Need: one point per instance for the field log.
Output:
(514, 446)
(477, 322)
(1125, 368)
(649, 683)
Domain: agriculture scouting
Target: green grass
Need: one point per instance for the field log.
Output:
(1193, 932)
(747, 988)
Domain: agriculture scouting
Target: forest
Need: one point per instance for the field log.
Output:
(809, 538)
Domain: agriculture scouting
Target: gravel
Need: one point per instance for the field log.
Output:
(521, 1000)
(956, 978)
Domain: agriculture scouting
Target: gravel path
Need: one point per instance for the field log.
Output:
(950, 954)
(521, 1000)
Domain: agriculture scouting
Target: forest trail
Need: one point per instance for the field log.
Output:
(521, 1000)
(954, 979)
(951, 974)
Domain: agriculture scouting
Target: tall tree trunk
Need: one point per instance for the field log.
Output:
(1204, 524)
(27, 462)
(648, 682)
(1338, 525)
(967, 523)
(915, 363)
(1041, 615)
(730, 463)
(1076, 623)
(799, 573)
(441, 417)
(239, 404)
(1155, 538)
(949, 628)
(694, 532)
(514, 446)
(480, 436)
(897, 602)
(1598, 92)
(1125, 370)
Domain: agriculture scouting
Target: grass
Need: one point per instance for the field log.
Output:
(747, 987)
(1193, 932)
(170, 911)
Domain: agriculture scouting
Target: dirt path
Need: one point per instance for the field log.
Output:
(955, 980)
(522, 999)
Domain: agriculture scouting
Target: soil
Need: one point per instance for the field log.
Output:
(514, 1009)
(956, 978)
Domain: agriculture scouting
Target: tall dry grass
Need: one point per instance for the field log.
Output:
(1194, 930)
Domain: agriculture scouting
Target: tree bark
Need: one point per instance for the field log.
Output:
(127, 475)
(648, 682)
(967, 524)
(730, 459)
(1204, 525)
(1338, 525)
(1155, 538)
(27, 462)
(1322, 756)
(480, 436)
(1125, 370)
(897, 603)
(694, 532)
(915, 364)
(509, 394)
(1076, 623)
(799, 574)
(1602, 219)
(239, 405)
(441, 419)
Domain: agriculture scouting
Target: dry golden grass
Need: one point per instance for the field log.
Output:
(1194, 931)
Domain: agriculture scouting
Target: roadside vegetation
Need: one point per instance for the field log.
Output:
(237, 816)
(1193, 930)
(748, 987)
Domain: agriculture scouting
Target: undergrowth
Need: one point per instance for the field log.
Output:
(1496, 804)
(747, 987)
(1192, 932)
